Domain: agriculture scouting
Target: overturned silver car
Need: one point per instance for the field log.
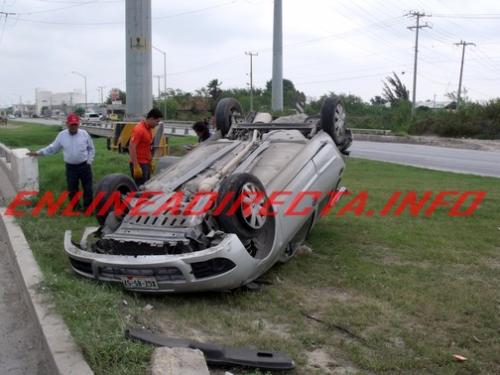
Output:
(222, 215)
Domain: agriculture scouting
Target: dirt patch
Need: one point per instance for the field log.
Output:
(320, 361)
(386, 256)
(394, 260)
(461, 143)
(9, 126)
(280, 330)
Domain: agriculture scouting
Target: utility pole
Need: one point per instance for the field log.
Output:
(417, 27)
(463, 44)
(251, 54)
(100, 88)
(277, 83)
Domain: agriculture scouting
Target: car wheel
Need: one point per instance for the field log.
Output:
(108, 185)
(225, 112)
(248, 217)
(333, 120)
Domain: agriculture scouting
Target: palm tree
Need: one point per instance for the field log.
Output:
(215, 93)
(394, 90)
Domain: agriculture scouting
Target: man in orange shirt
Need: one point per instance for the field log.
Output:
(140, 147)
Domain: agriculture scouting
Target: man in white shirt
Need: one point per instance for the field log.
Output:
(78, 150)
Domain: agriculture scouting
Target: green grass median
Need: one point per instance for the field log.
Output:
(377, 294)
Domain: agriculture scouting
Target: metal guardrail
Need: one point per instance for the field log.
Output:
(105, 129)
(371, 131)
(184, 128)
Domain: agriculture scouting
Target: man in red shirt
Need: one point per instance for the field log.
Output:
(140, 147)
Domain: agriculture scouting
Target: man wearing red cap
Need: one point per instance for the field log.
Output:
(78, 150)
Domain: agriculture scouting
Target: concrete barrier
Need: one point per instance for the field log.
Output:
(61, 352)
(17, 172)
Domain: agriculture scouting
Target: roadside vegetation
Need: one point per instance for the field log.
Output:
(375, 295)
(390, 111)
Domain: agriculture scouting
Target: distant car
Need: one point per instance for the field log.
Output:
(11, 117)
(91, 116)
(180, 252)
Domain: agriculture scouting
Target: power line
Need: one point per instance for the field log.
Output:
(56, 9)
(468, 16)
(122, 22)
(6, 14)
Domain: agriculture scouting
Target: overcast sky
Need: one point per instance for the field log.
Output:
(345, 46)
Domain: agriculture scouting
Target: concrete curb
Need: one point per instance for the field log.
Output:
(63, 356)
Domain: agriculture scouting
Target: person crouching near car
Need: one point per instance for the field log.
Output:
(140, 147)
(79, 152)
(202, 130)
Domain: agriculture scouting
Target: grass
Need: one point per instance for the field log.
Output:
(376, 295)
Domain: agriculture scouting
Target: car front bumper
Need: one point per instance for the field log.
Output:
(224, 266)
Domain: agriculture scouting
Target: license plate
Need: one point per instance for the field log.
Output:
(139, 282)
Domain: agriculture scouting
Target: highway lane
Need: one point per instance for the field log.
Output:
(483, 163)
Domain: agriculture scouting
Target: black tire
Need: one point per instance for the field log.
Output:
(333, 121)
(243, 225)
(109, 184)
(224, 114)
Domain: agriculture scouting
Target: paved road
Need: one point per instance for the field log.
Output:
(484, 163)
(21, 350)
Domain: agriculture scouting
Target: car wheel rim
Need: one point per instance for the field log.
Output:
(339, 120)
(252, 202)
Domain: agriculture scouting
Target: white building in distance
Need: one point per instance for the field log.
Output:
(47, 101)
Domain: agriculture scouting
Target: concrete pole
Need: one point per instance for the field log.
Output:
(138, 58)
(277, 83)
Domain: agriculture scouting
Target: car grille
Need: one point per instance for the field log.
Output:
(161, 274)
(212, 267)
(141, 248)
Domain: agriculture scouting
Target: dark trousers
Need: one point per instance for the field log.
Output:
(76, 173)
(146, 174)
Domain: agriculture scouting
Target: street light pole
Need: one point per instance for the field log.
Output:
(251, 54)
(159, 94)
(164, 80)
(100, 88)
(85, 81)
